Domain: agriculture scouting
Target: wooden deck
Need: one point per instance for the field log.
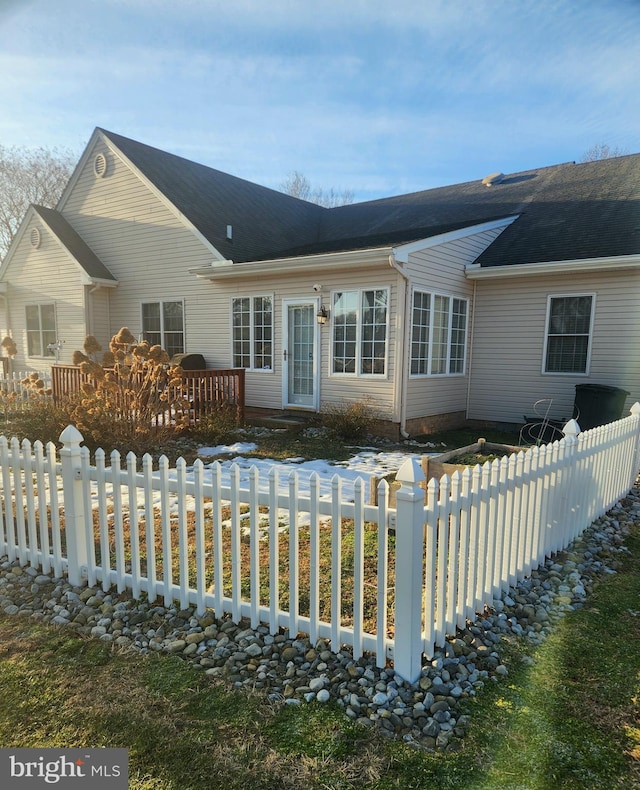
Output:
(203, 389)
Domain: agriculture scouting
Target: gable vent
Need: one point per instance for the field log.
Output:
(35, 238)
(493, 178)
(100, 165)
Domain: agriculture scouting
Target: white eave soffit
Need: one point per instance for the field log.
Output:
(403, 251)
(354, 259)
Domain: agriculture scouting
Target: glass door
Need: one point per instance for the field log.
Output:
(300, 368)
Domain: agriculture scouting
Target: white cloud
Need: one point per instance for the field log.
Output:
(366, 94)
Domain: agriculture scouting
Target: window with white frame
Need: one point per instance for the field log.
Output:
(252, 332)
(163, 325)
(438, 334)
(568, 337)
(359, 342)
(41, 329)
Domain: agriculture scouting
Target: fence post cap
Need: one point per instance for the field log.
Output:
(571, 428)
(71, 435)
(410, 472)
(635, 409)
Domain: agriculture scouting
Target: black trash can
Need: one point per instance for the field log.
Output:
(598, 404)
(189, 361)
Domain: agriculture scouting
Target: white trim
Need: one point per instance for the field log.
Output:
(447, 295)
(476, 272)
(358, 358)
(575, 373)
(286, 304)
(403, 251)
(99, 281)
(251, 297)
(40, 304)
(354, 259)
(162, 302)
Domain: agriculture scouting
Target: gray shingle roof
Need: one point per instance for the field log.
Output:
(78, 248)
(567, 211)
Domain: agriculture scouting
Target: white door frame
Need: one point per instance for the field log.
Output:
(314, 302)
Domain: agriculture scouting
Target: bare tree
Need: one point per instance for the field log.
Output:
(28, 176)
(602, 151)
(298, 185)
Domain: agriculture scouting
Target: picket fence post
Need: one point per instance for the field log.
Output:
(70, 458)
(410, 520)
(635, 411)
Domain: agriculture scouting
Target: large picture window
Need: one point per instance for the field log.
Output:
(569, 323)
(163, 325)
(359, 341)
(438, 334)
(41, 329)
(252, 329)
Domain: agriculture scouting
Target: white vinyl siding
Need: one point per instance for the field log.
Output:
(441, 269)
(567, 343)
(46, 275)
(438, 334)
(252, 332)
(41, 329)
(510, 323)
(163, 325)
(148, 249)
(360, 330)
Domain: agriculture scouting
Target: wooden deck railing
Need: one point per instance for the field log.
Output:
(203, 389)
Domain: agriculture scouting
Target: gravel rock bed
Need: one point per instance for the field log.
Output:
(428, 714)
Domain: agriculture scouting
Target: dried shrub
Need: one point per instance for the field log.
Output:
(350, 419)
(9, 345)
(25, 409)
(129, 400)
(218, 426)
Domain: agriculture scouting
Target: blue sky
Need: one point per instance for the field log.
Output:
(378, 96)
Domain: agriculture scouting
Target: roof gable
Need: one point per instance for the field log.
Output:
(88, 261)
(262, 220)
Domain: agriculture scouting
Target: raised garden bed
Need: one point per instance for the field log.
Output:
(452, 461)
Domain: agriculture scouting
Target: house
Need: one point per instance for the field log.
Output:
(466, 302)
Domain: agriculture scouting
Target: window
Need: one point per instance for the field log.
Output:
(252, 327)
(569, 321)
(163, 325)
(438, 334)
(360, 332)
(41, 329)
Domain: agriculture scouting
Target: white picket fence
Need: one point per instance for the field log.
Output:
(12, 385)
(391, 581)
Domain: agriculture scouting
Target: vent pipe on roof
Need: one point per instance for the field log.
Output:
(493, 178)
(230, 232)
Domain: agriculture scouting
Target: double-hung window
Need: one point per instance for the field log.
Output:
(252, 332)
(41, 329)
(163, 325)
(359, 342)
(568, 336)
(438, 334)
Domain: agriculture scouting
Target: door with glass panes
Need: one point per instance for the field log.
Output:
(300, 364)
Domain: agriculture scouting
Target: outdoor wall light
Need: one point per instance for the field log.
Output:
(322, 315)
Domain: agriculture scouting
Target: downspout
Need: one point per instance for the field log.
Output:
(88, 312)
(400, 344)
(471, 337)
